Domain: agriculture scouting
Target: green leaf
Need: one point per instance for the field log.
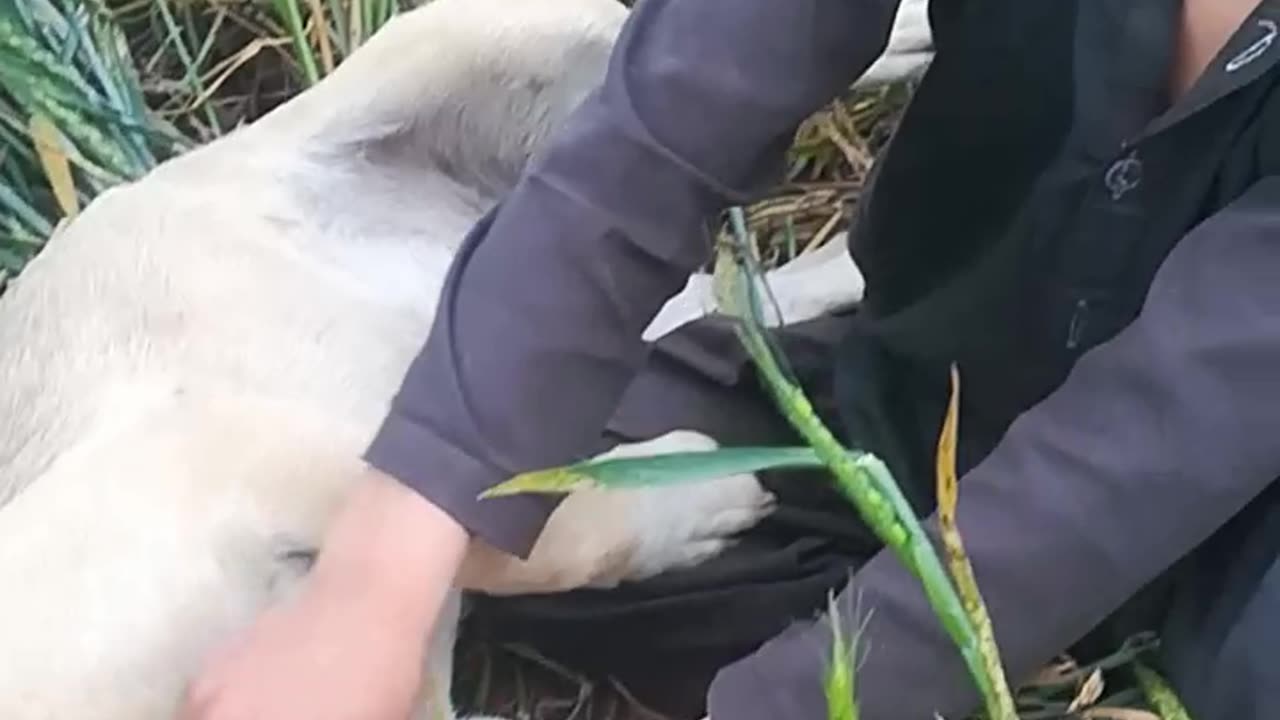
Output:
(10, 260)
(20, 210)
(664, 469)
(290, 13)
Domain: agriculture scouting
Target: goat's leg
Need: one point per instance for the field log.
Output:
(598, 538)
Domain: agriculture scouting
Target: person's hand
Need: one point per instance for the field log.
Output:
(350, 645)
(314, 658)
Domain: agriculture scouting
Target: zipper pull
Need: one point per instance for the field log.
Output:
(1079, 317)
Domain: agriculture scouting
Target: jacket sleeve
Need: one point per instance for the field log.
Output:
(1156, 439)
(540, 323)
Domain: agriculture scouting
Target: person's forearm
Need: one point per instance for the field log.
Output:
(392, 551)
(540, 326)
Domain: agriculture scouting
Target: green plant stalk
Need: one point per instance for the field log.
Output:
(888, 514)
(356, 24)
(67, 63)
(341, 28)
(89, 47)
(108, 55)
(41, 85)
(211, 36)
(291, 14)
(377, 13)
(840, 685)
(1159, 695)
(188, 62)
(19, 210)
(369, 17)
(1000, 703)
(869, 485)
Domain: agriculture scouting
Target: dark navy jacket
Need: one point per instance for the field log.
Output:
(1102, 267)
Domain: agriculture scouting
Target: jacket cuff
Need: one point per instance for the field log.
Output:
(450, 481)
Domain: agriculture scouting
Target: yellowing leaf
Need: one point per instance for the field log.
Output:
(958, 562)
(1090, 691)
(320, 26)
(946, 456)
(555, 480)
(57, 168)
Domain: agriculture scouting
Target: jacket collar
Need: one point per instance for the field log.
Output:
(1250, 55)
(1124, 49)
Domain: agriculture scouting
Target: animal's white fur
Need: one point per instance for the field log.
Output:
(190, 370)
(814, 284)
(910, 48)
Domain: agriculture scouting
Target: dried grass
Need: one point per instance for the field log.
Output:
(517, 682)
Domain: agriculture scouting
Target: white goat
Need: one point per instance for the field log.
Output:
(191, 369)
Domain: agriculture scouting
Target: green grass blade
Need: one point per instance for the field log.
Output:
(191, 70)
(368, 18)
(665, 469)
(839, 685)
(389, 10)
(341, 28)
(211, 37)
(41, 85)
(21, 211)
(109, 58)
(10, 260)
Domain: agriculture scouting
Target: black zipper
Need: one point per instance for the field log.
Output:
(1079, 318)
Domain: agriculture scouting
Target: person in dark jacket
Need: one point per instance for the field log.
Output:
(1080, 209)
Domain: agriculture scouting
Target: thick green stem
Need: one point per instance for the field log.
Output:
(868, 484)
(1161, 697)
